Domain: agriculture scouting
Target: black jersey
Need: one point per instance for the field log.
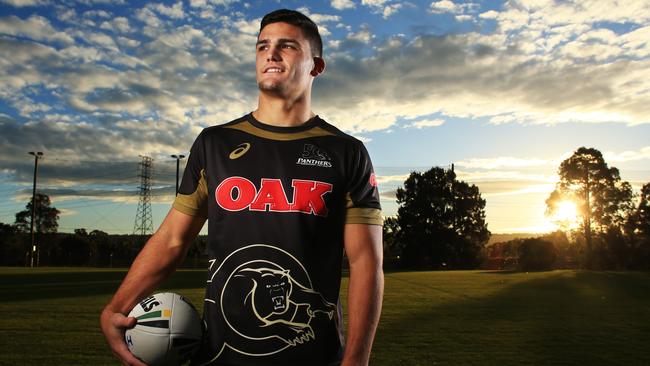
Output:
(277, 200)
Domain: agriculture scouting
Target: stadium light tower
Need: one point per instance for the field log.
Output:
(37, 154)
(178, 160)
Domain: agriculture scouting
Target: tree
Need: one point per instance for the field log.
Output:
(74, 249)
(638, 229)
(6, 229)
(441, 221)
(639, 221)
(602, 198)
(536, 254)
(47, 217)
(392, 246)
(12, 248)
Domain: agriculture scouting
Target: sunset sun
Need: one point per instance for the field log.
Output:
(566, 214)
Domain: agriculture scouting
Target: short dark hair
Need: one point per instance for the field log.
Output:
(307, 26)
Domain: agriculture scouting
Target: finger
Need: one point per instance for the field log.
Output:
(125, 355)
(121, 321)
(131, 322)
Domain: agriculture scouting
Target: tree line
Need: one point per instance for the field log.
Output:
(81, 248)
(440, 224)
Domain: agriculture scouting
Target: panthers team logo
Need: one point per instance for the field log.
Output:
(313, 156)
(267, 301)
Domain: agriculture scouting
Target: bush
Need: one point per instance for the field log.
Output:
(536, 255)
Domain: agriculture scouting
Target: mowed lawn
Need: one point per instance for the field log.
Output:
(49, 316)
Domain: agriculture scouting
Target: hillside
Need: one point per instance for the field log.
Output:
(498, 238)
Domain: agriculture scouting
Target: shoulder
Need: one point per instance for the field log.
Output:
(351, 140)
(217, 129)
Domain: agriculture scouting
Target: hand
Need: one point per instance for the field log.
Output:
(114, 325)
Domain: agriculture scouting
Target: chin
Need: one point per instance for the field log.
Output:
(270, 87)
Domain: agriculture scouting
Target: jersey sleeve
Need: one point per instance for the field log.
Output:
(363, 205)
(192, 198)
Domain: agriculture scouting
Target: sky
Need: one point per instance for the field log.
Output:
(503, 90)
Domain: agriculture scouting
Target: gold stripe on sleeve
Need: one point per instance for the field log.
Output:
(368, 216)
(196, 203)
(361, 215)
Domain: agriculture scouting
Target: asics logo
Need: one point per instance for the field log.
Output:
(239, 151)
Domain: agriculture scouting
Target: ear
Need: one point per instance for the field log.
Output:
(319, 66)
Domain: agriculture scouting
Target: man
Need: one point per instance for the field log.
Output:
(285, 193)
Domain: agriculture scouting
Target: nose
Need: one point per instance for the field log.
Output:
(273, 54)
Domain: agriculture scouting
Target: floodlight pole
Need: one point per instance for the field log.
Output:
(37, 155)
(178, 160)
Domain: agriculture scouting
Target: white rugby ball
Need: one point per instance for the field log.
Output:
(168, 332)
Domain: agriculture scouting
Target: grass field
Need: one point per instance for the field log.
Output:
(50, 317)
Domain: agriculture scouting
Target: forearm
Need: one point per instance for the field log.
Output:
(365, 294)
(155, 262)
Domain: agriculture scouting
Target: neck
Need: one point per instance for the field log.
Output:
(281, 112)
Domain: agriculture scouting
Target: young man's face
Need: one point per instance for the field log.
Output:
(284, 61)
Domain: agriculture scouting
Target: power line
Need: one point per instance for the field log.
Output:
(102, 216)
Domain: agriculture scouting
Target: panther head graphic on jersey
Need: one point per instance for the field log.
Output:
(267, 300)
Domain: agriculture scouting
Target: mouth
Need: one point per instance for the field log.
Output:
(272, 70)
(278, 302)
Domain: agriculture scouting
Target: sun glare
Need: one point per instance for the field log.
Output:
(566, 214)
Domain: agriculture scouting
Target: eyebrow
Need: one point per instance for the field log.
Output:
(280, 41)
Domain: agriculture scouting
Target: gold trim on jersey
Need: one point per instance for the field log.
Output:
(247, 127)
(196, 203)
(362, 215)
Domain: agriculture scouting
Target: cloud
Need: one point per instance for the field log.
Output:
(35, 27)
(490, 14)
(97, 14)
(384, 7)
(375, 3)
(364, 35)
(514, 188)
(460, 10)
(147, 16)
(319, 18)
(494, 76)
(148, 81)
(117, 25)
(389, 179)
(78, 153)
(25, 3)
(444, 6)
(250, 27)
(182, 72)
(175, 11)
(476, 176)
(502, 162)
(343, 4)
(130, 195)
(426, 123)
(391, 9)
(629, 155)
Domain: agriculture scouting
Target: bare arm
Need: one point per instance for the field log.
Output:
(155, 262)
(363, 246)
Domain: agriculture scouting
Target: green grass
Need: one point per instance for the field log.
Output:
(50, 317)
